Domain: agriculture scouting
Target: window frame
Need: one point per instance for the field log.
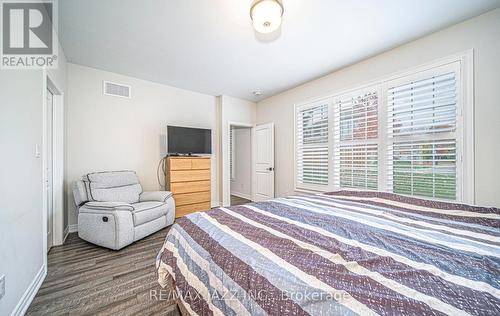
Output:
(457, 135)
(464, 125)
(232, 167)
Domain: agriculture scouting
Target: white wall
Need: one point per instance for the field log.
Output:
(21, 246)
(112, 133)
(21, 203)
(480, 33)
(232, 110)
(241, 184)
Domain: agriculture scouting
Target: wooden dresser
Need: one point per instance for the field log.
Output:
(189, 180)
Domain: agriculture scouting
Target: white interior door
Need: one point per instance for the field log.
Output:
(49, 177)
(263, 180)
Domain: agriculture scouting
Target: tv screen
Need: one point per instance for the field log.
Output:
(186, 140)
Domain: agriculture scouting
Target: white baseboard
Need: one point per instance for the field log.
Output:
(65, 234)
(30, 293)
(242, 195)
(73, 228)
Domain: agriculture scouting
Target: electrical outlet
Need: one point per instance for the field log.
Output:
(2, 286)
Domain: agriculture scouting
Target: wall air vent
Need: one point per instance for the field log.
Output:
(116, 89)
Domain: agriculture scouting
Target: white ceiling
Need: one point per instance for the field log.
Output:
(210, 46)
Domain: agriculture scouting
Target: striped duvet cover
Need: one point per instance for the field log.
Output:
(343, 253)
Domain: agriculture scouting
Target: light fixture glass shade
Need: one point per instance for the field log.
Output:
(266, 15)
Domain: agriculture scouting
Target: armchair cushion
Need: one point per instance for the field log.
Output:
(113, 186)
(148, 211)
(109, 206)
(159, 196)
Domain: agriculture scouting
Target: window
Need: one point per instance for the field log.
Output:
(355, 153)
(409, 134)
(312, 145)
(422, 138)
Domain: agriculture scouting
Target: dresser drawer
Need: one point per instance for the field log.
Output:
(191, 208)
(189, 175)
(188, 187)
(192, 198)
(180, 163)
(203, 163)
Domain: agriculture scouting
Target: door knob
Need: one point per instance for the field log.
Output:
(270, 169)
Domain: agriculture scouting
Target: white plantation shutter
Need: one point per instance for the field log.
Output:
(355, 153)
(312, 138)
(423, 168)
(422, 140)
(423, 107)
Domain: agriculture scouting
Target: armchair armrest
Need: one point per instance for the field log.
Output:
(108, 206)
(159, 196)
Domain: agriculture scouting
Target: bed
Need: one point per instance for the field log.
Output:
(341, 253)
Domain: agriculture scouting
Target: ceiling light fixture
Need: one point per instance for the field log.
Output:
(266, 15)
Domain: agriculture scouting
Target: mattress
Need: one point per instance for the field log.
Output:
(342, 253)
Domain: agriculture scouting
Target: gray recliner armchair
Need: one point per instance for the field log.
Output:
(113, 211)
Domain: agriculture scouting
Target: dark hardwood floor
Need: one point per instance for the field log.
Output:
(84, 279)
(236, 200)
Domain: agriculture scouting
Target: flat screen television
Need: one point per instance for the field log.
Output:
(188, 141)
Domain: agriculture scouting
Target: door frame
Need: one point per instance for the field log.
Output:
(226, 182)
(49, 117)
(58, 233)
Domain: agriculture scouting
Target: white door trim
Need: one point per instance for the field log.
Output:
(48, 154)
(226, 179)
(58, 163)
